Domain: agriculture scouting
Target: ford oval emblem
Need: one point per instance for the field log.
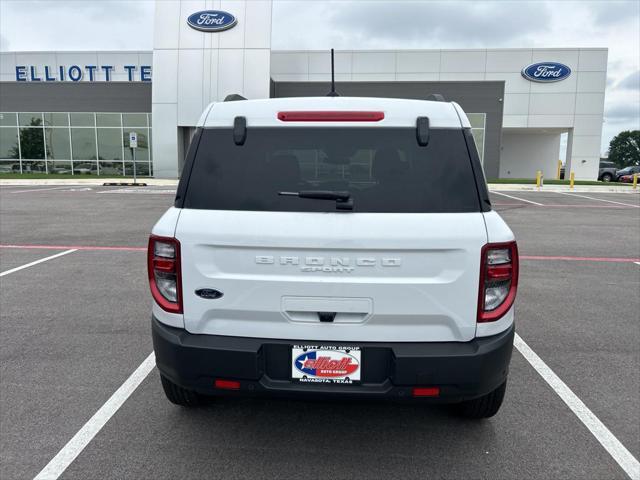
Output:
(209, 293)
(546, 72)
(212, 21)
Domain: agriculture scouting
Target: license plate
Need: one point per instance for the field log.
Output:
(326, 364)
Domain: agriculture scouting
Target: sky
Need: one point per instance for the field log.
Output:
(362, 24)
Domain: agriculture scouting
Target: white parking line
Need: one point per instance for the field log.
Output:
(138, 191)
(80, 440)
(517, 198)
(620, 454)
(598, 199)
(40, 189)
(22, 267)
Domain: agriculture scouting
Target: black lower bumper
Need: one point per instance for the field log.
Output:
(263, 366)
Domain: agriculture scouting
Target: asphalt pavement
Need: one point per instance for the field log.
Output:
(74, 328)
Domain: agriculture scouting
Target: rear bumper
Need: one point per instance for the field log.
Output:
(389, 370)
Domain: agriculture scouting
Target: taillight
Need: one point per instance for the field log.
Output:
(163, 263)
(498, 280)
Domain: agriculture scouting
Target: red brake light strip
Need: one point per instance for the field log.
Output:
(330, 116)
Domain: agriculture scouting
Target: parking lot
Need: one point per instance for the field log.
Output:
(75, 327)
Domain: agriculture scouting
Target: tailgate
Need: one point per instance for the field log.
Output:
(332, 276)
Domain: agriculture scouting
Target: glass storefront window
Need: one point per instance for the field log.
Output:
(39, 142)
(142, 152)
(476, 119)
(82, 119)
(85, 168)
(134, 120)
(30, 119)
(111, 168)
(33, 167)
(8, 119)
(32, 143)
(58, 147)
(59, 167)
(142, 169)
(478, 137)
(9, 166)
(83, 142)
(9, 143)
(56, 119)
(109, 144)
(108, 119)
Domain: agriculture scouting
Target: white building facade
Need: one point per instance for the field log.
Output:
(518, 120)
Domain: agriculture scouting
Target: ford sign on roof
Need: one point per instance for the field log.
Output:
(212, 21)
(546, 72)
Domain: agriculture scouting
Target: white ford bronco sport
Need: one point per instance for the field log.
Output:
(334, 246)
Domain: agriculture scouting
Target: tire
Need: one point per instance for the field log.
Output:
(606, 177)
(178, 395)
(485, 406)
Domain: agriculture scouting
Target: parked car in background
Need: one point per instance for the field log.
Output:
(607, 172)
(627, 178)
(627, 171)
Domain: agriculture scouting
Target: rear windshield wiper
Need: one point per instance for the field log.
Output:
(343, 199)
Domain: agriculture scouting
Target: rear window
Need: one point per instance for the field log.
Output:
(384, 170)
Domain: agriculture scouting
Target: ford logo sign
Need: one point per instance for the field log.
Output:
(212, 21)
(546, 72)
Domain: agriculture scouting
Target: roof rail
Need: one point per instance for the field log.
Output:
(234, 97)
(436, 97)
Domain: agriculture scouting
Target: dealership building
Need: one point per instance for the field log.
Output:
(73, 112)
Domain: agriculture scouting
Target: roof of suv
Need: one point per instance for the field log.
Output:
(397, 112)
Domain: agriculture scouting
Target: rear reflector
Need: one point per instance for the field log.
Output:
(426, 392)
(335, 116)
(227, 384)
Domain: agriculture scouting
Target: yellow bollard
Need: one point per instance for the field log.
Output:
(635, 181)
(538, 179)
(572, 177)
(559, 168)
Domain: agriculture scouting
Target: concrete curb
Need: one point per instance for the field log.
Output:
(497, 187)
(87, 181)
(512, 187)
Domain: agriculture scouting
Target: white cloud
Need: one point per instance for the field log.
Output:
(77, 24)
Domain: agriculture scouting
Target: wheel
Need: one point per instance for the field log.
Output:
(607, 177)
(485, 406)
(178, 395)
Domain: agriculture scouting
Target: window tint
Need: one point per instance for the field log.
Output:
(384, 169)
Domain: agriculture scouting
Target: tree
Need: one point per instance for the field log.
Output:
(624, 149)
(31, 142)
